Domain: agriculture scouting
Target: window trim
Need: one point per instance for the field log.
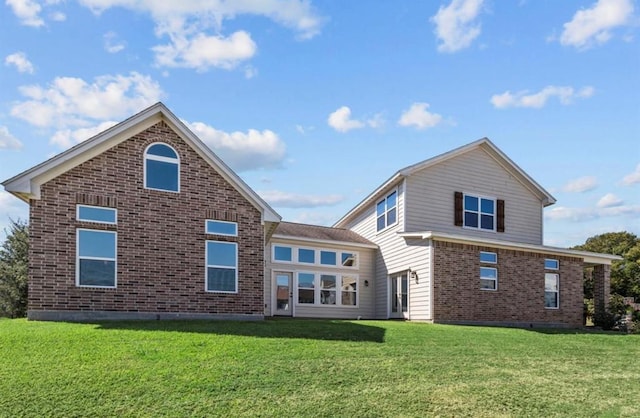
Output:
(479, 212)
(115, 214)
(488, 262)
(557, 292)
(317, 289)
(386, 211)
(206, 228)
(115, 259)
(206, 266)
(556, 261)
(495, 289)
(147, 156)
(317, 253)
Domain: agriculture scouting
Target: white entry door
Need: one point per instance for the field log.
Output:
(399, 296)
(284, 293)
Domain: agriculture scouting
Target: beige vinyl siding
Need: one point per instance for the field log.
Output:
(430, 202)
(395, 256)
(364, 271)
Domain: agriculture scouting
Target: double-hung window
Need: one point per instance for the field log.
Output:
(349, 291)
(328, 289)
(488, 275)
(222, 267)
(479, 212)
(386, 211)
(96, 258)
(306, 288)
(161, 168)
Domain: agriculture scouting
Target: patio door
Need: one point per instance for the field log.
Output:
(284, 293)
(399, 296)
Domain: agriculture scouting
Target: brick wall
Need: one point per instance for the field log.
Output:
(519, 299)
(161, 239)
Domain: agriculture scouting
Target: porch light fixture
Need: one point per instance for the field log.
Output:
(366, 283)
(414, 275)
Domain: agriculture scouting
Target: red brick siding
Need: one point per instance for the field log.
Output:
(161, 239)
(520, 294)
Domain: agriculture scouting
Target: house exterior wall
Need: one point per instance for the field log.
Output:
(364, 272)
(519, 299)
(160, 238)
(430, 203)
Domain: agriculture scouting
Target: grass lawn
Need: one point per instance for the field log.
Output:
(313, 368)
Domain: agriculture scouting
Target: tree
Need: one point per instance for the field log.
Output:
(625, 274)
(14, 266)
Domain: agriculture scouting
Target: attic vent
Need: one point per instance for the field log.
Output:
(95, 200)
(221, 215)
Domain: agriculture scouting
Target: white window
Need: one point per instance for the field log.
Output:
(325, 289)
(349, 291)
(349, 259)
(551, 264)
(489, 258)
(221, 228)
(282, 253)
(96, 214)
(328, 289)
(488, 278)
(306, 255)
(386, 211)
(161, 168)
(222, 267)
(328, 258)
(306, 288)
(551, 290)
(479, 212)
(96, 258)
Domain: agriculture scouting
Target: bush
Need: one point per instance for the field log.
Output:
(604, 320)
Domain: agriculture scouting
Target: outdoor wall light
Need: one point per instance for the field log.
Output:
(366, 283)
(414, 276)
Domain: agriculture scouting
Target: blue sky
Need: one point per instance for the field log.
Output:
(316, 103)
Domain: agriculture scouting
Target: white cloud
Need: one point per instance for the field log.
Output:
(293, 200)
(243, 151)
(609, 201)
(419, 117)
(632, 178)
(27, 11)
(8, 141)
(581, 185)
(67, 138)
(194, 27)
(20, 61)
(321, 218)
(455, 24)
(341, 121)
(587, 214)
(58, 16)
(565, 94)
(593, 26)
(70, 103)
(111, 43)
(202, 52)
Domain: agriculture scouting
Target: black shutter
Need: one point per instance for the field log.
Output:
(500, 225)
(457, 204)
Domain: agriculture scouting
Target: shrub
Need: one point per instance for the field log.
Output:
(604, 320)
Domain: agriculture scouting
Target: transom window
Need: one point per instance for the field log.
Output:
(96, 258)
(161, 168)
(551, 264)
(551, 290)
(321, 257)
(386, 211)
(479, 212)
(489, 258)
(322, 289)
(222, 266)
(221, 228)
(96, 214)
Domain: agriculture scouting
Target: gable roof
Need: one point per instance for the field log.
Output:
(484, 144)
(26, 185)
(320, 234)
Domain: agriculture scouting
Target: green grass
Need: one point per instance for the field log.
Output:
(313, 368)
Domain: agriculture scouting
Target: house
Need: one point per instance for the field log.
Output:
(143, 221)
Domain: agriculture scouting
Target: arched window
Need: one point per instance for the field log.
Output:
(161, 168)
